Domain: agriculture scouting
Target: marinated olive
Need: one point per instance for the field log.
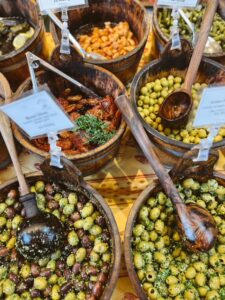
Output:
(58, 276)
(149, 111)
(165, 268)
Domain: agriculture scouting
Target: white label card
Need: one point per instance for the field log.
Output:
(38, 114)
(178, 3)
(211, 110)
(58, 4)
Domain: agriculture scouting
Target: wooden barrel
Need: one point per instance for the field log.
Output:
(5, 92)
(14, 64)
(97, 79)
(174, 63)
(162, 39)
(105, 211)
(114, 11)
(202, 174)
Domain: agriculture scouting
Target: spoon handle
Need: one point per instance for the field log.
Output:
(7, 135)
(201, 42)
(147, 147)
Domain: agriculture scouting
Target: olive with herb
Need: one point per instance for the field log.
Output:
(165, 268)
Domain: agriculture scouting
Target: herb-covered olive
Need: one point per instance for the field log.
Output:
(39, 186)
(165, 268)
(40, 283)
(8, 287)
(80, 254)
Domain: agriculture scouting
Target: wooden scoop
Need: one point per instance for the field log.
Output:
(176, 108)
(195, 223)
(40, 234)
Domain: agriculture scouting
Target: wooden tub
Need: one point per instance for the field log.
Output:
(14, 64)
(101, 81)
(101, 11)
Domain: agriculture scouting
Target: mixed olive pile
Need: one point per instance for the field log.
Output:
(111, 41)
(152, 96)
(164, 266)
(14, 34)
(79, 271)
(165, 20)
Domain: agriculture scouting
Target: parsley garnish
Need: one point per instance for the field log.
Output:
(95, 128)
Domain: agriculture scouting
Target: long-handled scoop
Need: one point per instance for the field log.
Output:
(176, 108)
(75, 43)
(40, 234)
(195, 223)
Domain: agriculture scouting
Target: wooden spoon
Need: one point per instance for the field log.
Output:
(40, 234)
(195, 223)
(176, 108)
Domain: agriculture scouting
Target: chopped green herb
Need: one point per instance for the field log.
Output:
(161, 277)
(222, 293)
(95, 128)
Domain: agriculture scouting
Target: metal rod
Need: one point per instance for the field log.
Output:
(82, 87)
(32, 73)
(71, 38)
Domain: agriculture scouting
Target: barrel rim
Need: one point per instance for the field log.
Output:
(156, 134)
(165, 39)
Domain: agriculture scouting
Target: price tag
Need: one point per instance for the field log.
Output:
(38, 114)
(211, 111)
(210, 114)
(59, 4)
(178, 3)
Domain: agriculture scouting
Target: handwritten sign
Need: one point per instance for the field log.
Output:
(38, 114)
(178, 3)
(211, 111)
(58, 4)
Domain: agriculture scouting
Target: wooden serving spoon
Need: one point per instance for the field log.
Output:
(195, 223)
(41, 233)
(176, 108)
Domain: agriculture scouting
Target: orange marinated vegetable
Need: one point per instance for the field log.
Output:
(111, 41)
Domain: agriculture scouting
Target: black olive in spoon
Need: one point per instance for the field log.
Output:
(41, 233)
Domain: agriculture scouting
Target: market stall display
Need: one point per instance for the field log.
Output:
(25, 36)
(164, 76)
(105, 138)
(160, 262)
(96, 15)
(162, 22)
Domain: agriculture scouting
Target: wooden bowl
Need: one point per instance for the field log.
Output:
(201, 173)
(96, 78)
(102, 206)
(174, 63)
(101, 11)
(163, 39)
(14, 64)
